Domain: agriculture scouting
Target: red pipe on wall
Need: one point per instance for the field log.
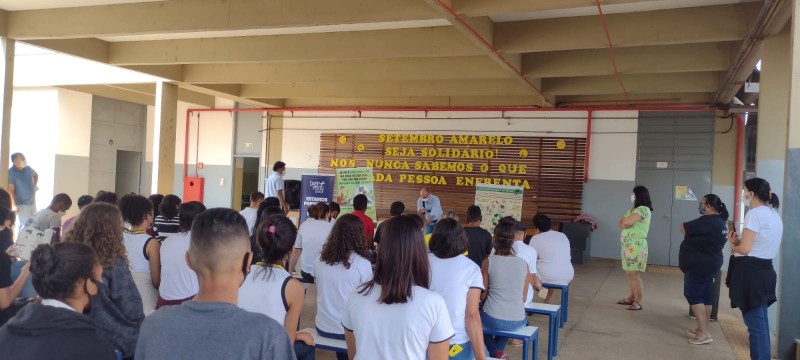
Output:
(588, 145)
(737, 193)
(589, 110)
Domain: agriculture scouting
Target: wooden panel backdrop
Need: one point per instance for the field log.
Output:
(554, 169)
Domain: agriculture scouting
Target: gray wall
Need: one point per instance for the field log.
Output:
(607, 201)
(116, 125)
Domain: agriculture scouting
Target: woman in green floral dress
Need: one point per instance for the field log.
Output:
(635, 225)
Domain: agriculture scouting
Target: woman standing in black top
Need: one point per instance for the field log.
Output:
(700, 258)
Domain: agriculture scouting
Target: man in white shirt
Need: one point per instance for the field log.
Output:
(50, 218)
(274, 186)
(251, 212)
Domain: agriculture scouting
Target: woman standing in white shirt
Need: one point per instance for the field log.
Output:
(144, 255)
(178, 281)
(413, 320)
(342, 266)
(751, 276)
(312, 235)
(458, 280)
(270, 290)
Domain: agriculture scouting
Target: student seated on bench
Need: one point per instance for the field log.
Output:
(343, 266)
(506, 277)
(212, 326)
(270, 289)
(458, 280)
(555, 261)
(394, 315)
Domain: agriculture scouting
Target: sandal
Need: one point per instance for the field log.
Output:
(635, 306)
(626, 301)
(515, 342)
(699, 341)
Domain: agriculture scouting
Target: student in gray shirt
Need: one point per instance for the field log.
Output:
(212, 326)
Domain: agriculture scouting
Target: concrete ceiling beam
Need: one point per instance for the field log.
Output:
(423, 88)
(631, 60)
(478, 67)
(420, 101)
(704, 82)
(437, 41)
(205, 15)
(663, 27)
(498, 7)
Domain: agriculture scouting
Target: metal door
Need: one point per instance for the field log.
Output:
(659, 182)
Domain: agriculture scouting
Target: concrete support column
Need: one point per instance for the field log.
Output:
(164, 134)
(7, 47)
(789, 313)
(772, 125)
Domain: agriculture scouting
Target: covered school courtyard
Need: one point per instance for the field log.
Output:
(577, 101)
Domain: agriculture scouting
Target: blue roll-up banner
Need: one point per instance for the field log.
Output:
(315, 188)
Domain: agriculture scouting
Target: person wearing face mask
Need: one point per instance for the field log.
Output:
(700, 258)
(23, 183)
(635, 225)
(50, 218)
(10, 286)
(66, 276)
(117, 308)
(143, 250)
(751, 277)
(274, 186)
(429, 208)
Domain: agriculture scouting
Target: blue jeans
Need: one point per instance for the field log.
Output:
(758, 327)
(430, 227)
(698, 289)
(498, 343)
(468, 352)
(27, 288)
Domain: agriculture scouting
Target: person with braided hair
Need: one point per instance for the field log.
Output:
(66, 276)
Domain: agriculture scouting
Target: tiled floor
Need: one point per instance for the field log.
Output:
(600, 329)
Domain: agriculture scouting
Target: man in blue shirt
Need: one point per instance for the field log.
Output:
(22, 185)
(429, 207)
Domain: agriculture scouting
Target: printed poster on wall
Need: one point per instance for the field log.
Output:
(351, 182)
(314, 188)
(497, 202)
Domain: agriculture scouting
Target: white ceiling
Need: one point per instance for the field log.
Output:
(282, 31)
(614, 9)
(16, 5)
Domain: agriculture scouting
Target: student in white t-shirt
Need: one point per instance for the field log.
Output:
(251, 212)
(555, 260)
(178, 281)
(144, 256)
(50, 217)
(752, 277)
(394, 315)
(527, 253)
(342, 266)
(312, 235)
(458, 280)
(271, 290)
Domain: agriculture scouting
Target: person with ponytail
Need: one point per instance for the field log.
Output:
(700, 258)
(144, 250)
(66, 276)
(312, 235)
(751, 276)
(271, 290)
